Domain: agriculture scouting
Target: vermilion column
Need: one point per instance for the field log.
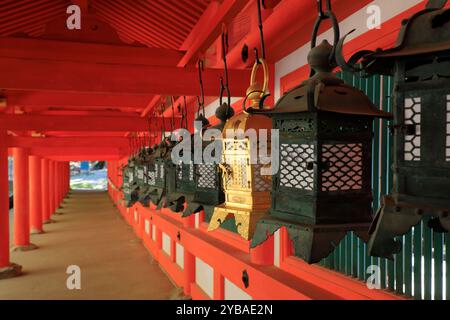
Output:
(61, 181)
(21, 201)
(55, 186)
(67, 181)
(35, 194)
(51, 186)
(7, 269)
(45, 191)
(58, 184)
(189, 272)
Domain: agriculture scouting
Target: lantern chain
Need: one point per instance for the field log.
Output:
(201, 100)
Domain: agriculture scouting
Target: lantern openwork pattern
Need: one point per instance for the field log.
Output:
(247, 193)
(323, 187)
(420, 64)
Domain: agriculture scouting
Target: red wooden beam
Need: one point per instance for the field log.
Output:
(67, 142)
(43, 75)
(203, 35)
(209, 28)
(76, 152)
(87, 52)
(36, 99)
(284, 29)
(76, 123)
(87, 157)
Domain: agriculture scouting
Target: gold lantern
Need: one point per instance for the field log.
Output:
(247, 192)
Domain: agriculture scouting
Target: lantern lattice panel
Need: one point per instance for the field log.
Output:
(301, 125)
(180, 171)
(161, 171)
(260, 183)
(239, 176)
(413, 139)
(294, 171)
(151, 178)
(190, 173)
(345, 168)
(130, 176)
(237, 145)
(206, 176)
(448, 130)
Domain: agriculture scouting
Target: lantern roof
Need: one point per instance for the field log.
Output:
(326, 92)
(245, 121)
(426, 32)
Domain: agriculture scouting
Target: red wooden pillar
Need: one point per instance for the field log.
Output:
(21, 201)
(67, 177)
(61, 181)
(189, 272)
(7, 269)
(51, 185)
(35, 194)
(108, 176)
(56, 182)
(45, 181)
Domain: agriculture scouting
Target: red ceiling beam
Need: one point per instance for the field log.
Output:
(289, 27)
(41, 75)
(87, 52)
(36, 99)
(151, 105)
(203, 35)
(76, 123)
(67, 142)
(209, 27)
(76, 152)
(81, 157)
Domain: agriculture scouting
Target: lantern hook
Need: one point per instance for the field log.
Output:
(224, 84)
(322, 16)
(261, 33)
(201, 100)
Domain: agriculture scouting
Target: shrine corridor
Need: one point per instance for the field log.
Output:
(91, 234)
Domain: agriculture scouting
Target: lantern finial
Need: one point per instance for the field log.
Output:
(319, 57)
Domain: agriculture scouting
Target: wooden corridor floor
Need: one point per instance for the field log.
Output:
(91, 234)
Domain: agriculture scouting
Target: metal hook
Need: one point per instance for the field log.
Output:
(255, 50)
(261, 33)
(201, 103)
(172, 122)
(224, 85)
(321, 16)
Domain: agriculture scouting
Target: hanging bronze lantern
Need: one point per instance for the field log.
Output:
(247, 192)
(208, 187)
(322, 189)
(420, 64)
(144, 175)
(183, 187)
(129, 186)
(160, 170)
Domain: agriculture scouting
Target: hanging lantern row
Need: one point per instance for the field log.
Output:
(208, 186)
(322, 189)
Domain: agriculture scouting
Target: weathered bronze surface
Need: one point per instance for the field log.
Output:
(420, 64)
(323, 187)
